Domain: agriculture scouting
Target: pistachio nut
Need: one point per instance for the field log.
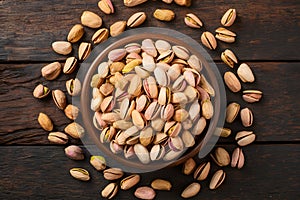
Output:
(40, 91)
(100, 36)
(180, 115)
(106, 89)
(161, 184)
(110, 117)
(232, 82)
(144, 192)
(179, 98)
(116, 67)
(189, 166)
(172, 128)
(116, 55)
(221, 157)
(225, 35)
(115, 148)
(135, 86)
(232, 111)
(208, 40)
(113, 173)
(80, 174)
(98, 162)
(146, 136)
(245, 73)
(229, 17)
(195, 63)
(167, 1)
(152, 111)
(171, 155)
(142, 102)
(74, 152)
(217, 179)
(157, 152)
(59, 99)
(91, 19)
(186, 3)
(207, 109)
(142, 153)
(84, 50)
(73, 87)
(45, 122)
(74, 130)
(164, 14)
(71, 111)
(202, 171)
(206, 86)
(157, 124)
(129, 181)
(191, 190)
(164, 96)
(200, 126)
(51, 71)
(106, 6)
(98, 122)
(136, 19)
(181, 52)
(225, 132)
(161, 77)
(96, 81)
(107, 104)
(137, 119)
(62, 47)
(110, 190)
(70, 65)
(132, 3)
(133, 48)
(252, 96)
(162, 46)
(229, 58)
(117, 28)
(194, 110)
(75, 33)
(246, 117)
(244, 138)
(107, 134)
(149, 48)
(126, 108)
(238, 158)
(192, 21)
(175, 143)
(167, 112)
(160, 138)
(131, 65)
(128, 151)
(58, 138)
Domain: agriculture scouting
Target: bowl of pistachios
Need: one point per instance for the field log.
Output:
(151, 98)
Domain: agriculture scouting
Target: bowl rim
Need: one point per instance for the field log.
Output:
(89, 67)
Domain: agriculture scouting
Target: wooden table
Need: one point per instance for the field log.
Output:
(268, 40)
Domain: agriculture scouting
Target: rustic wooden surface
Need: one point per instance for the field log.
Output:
(268, 40)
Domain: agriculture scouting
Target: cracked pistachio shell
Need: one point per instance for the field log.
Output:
(84, 50)
(232, 111)
(132, 3)
(62, 47)
(106, 6)
(252, 96)
(208, 40)
(246, 117)
(80, 174)
(188, 139)
(73, 87)
(192, 21)
(113, 173)
(98, 162)
(51, 71)
(117, 28)
(238, 158)
(229, 58)
(229, 17)
(45, 122)
(110, 190)
(129, 181)
(136, 19)
(217, 179)
(225, 35)
(40, 91)
(91, 19)
(202, 171)
(75, 33)
(221, 157)
(58, 138)
(164, 14)
(245, 138)
(100, 36)
(59, 99)
(207, 109)
(70, 65)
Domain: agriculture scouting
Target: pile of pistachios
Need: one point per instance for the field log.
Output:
(188, 84)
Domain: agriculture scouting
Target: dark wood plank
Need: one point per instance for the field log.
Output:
(267, 30)
(276, 117)
(42, 173)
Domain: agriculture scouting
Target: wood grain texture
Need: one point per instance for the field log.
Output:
(267, 30)
(42, 173)
(276, 117)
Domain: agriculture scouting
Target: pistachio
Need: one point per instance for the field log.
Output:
(149, 48)
(192, 21)
(175, 143)
(40, 91)
(186, 3)
(80, 174)
(152, 111)
(45, 122)
(229, 58)
(117, 28)
(160, 138)
(195, 63)
(74, 130)
(217, 179)
(225, 35)
(137, 119)
(129, 151)
(113, 173)
(59, 99)
(167, 112)
(167, 1)
(91, 19)
(73, 87)
(238, 158)
(199, 127)
(141, 103)
(51, 71)
(107, 104)
(58, 138)
(194, 110)
(189, 166)
(232, 82)
(161, 184)
(107, 134)
(132, 3)
(84, 50)
(110, 190)
(62, 47)
(206, 86)
(131, 65)
(180, 115)
(74, 152)
(191, 190)
(129, 181)
(164, 14)
(98, 122)
(244, 138)
(207, 109)
(171, 155)
(232, 111)
(172, 128)
(135, 86)
(246, 117)
(157, 124)
(162, 46)
(179, 97)
(161, 77)
(98, 162)
(70, 65)
(136, 19)
(144, 192)
(157, 152)
(146, 136)
(202, 171)
(229, 17)
(245, 73)
(225, 132)
(75, 33)
(221, 157)
(71, 111)
(106, 6)
(252, 96)
(116, 67)
(208, 40)
(142, 153)
(181, 52)
(100, 36)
